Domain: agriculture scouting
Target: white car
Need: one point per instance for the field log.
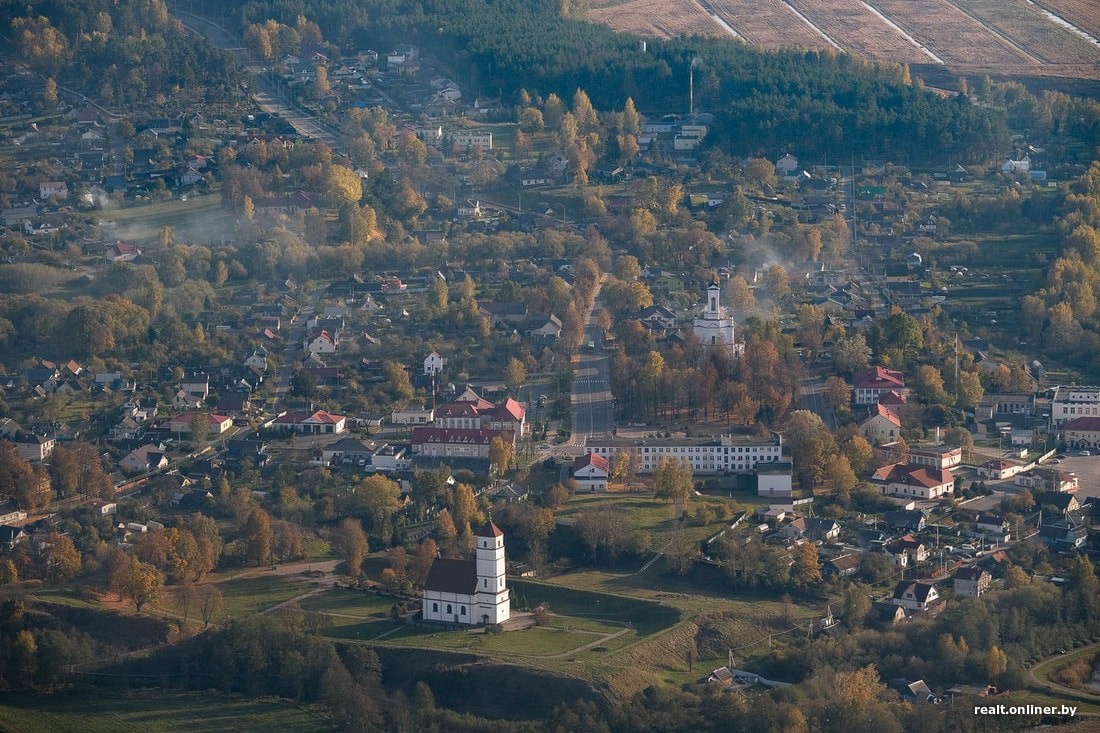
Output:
(1086, 453)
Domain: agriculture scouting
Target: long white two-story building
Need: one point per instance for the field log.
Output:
(725, 454)
(1073, 402)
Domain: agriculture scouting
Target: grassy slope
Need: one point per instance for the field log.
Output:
(154, 712)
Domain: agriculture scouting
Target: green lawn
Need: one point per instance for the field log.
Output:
(349, 602)
(248, 596)
(198, 219)
(154, 712)
(539, 641)
(645, 617)
(654, 516)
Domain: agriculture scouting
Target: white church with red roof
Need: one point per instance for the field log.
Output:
(470, 592)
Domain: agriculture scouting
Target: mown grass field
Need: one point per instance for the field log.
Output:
(157, 711)
(199, 219)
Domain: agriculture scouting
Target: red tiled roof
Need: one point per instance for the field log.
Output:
(901, 473)
(488, 530)
(1083, 423)
(457, 436)
(297, 417)
(893, 398)
(878, 378)
(884, 411)
(591, 459)
(509, 410)
(457, 409)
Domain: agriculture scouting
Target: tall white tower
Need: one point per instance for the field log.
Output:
(714, 326)
(491, 598)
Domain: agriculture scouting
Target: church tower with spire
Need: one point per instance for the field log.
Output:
(714, 326)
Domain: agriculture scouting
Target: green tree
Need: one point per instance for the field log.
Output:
(810, 444)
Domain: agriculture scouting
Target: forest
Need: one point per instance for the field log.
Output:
(818, 103)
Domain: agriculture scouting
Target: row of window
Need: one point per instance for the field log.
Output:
(450, 609)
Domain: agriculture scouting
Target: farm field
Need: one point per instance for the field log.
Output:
(157, 711)
(769, 23)
(658, 18)
(1081, 13)
(852, 25)
(1019, 38)
(949, 33)
(1028, 28)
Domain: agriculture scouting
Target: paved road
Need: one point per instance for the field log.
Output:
(592, 401)
(812, 400)
(1062, 689)
(266, 95)
(293, 344)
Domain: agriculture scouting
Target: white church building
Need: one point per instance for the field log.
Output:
(470, 592)
(714, 325)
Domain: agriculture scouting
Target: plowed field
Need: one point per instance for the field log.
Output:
(658, 18)
(769, 23)
(853, 26)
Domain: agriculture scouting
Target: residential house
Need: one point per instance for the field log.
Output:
(146, 458)
(999, 469)
(1047, 479)
(10, 512)
(821, 528)
(414, 415)
(104, 508)
(322, 341)
(657, 318)
(906, 551)
(123, 252)
(317, 422)
(668, 282)
(12, 536)
(1064, 534)
(50, 189)
(1065, 504)
(1081, 433)
(886, 614)
(972, 581)
(349, 450)
(868, 386)
(912, 691)
(196, 385)
(908, 520)
(433, 363)
(936, 456)
(914, 482)
(503, 313)
(127, 429)
(34, 448)
(990, 524)
(467, 140)
(882, 426)
(216, 424)
(547, 327)
(844, 566)
(915, 596)
(391, 458)
(787, 166)
(591, 473)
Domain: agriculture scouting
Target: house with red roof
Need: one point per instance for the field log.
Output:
(316, 422)
(476, 413)
(591, 473)
(914, 482)
(457, 442)
(123, 252)
(217, 424)
(1081, 432)
(322, 341)
(999, 469)
(881, 426)
(869, 386)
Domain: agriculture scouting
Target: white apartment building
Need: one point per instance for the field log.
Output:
(1071, 402)
(728, 454)
(467, 140)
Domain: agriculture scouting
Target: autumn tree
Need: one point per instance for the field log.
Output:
(352, 544)
(836, 393)
(673, 480)
(807, 570)
(426, 553)
(448, 534)
(398, 380)
(258, 538)
(61, 558)
(210, 603)
(502, 454)
(138, 581)
(515, 374)
(852, 354)
(810, 444)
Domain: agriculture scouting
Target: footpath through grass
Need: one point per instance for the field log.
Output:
(155, 711)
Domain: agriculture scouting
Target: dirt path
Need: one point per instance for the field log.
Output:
(294, 600)
(1053, 686)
